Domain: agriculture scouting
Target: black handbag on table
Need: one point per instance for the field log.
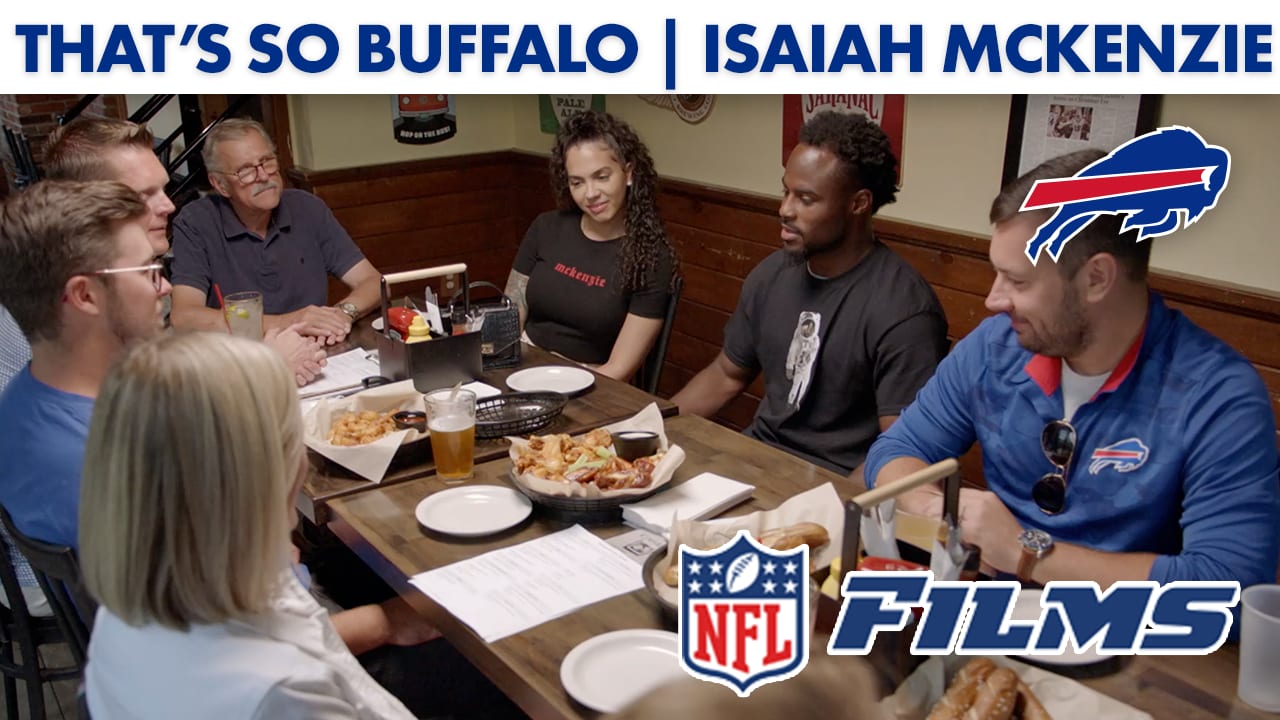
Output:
(500, 334)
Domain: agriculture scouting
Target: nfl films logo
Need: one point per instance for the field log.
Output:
(744, 613)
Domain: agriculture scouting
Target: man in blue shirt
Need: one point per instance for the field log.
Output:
(80, 276)
(1120, 441)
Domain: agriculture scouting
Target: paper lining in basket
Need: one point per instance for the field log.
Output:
(650, 420)
(1062, 697)
(820, 505)
(368, 461)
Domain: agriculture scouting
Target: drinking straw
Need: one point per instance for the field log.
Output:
(222, 305)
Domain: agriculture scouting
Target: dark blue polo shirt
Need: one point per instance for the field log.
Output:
(290, 267)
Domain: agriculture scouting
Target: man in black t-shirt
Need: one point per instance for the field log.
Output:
(843, 330)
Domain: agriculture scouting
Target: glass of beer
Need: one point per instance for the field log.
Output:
(243, 311)
(451, 420)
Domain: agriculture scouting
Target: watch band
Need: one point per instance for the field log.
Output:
(1035, 545)
(1027, 564)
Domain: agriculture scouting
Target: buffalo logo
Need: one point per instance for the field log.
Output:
(1125, 456)
(1163, 180)
(744, 613)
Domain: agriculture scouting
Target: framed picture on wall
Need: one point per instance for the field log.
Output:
(887, 111)
(1045, 126)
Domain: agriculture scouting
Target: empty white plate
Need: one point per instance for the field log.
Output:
(1027, 608)
(610, 671)
(473, 511)
(553, 378)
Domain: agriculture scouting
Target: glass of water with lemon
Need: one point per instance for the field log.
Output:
(244, 314)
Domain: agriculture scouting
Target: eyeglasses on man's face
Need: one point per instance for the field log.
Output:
(157, 270)
(247, 174)
(1058, 441)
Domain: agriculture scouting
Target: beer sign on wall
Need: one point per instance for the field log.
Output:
(423, 119)
(887, 111)
(555, 109)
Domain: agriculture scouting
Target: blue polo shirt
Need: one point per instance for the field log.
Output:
(290, 266)
(1176, 454)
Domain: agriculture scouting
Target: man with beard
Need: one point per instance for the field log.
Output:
(253, 235)
(1119, 441)
(868, 326)
(80, 276)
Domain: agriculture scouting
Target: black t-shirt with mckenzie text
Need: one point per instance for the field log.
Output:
(836, 353)
(576, 305)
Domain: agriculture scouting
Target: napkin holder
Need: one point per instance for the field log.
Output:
(891, 653)
(431, 364)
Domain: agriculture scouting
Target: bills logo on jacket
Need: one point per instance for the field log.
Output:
(1160, 182)
(744, 613)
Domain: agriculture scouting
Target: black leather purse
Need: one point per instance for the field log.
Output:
(500, 334)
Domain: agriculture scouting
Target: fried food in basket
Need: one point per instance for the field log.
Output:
(360, 428)
(589, 460)
(785, 538)
(984, 691)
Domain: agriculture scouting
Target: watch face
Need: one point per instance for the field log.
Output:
(1035, 540)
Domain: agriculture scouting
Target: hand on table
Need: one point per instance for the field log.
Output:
(987, 523)
(305, 356)
(406, 626)
(329, 325)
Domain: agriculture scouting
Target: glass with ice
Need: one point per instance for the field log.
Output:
(243, 311)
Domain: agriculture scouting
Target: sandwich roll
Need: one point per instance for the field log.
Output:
(793, 536)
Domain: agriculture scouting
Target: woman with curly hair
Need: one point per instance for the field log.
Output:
(592, 279)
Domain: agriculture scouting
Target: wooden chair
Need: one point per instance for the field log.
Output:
(647, 377)
(58, 572)
(20, 630)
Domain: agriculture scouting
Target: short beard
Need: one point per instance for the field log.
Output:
(1069, 334)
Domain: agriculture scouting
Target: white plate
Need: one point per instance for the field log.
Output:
(610, 671)
(1027, 608)
(553, 378)
(473, 511)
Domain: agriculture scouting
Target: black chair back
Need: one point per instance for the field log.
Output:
(58, 570)
(21, 635)
(647, 377)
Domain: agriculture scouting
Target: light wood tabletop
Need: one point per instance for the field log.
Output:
(605, 402)
(379, 525)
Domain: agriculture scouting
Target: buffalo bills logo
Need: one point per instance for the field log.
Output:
(744, 613)
(1125, 456)
(1162, 180)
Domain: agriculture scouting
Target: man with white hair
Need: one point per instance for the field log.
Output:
(251, 234)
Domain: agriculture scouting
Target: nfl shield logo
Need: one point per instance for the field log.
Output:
(744, 613)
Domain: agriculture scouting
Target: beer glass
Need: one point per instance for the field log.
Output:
(451, 420)
(244, 314)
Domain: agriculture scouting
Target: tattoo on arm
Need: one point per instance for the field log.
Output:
(517, 283)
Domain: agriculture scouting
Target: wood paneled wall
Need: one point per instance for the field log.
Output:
(476, 208)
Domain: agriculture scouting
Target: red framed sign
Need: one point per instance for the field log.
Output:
(888, 111)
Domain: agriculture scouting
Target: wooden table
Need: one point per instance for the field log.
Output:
(380, 527)
(606, 402)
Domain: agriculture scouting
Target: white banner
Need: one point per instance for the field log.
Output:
(658, 47)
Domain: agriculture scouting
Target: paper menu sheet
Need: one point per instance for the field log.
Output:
(342, 372)
(506, 591)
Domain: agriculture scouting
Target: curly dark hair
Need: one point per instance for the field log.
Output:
(863, 147)
(645, 244)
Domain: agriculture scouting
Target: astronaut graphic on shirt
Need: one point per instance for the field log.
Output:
(802, 356)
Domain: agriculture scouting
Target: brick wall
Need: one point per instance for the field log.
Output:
(37, 115)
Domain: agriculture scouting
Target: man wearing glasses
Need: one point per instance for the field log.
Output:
(1119, 440)
(78, 273)
(251, 234)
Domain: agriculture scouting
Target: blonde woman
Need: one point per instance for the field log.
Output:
(193, 459)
